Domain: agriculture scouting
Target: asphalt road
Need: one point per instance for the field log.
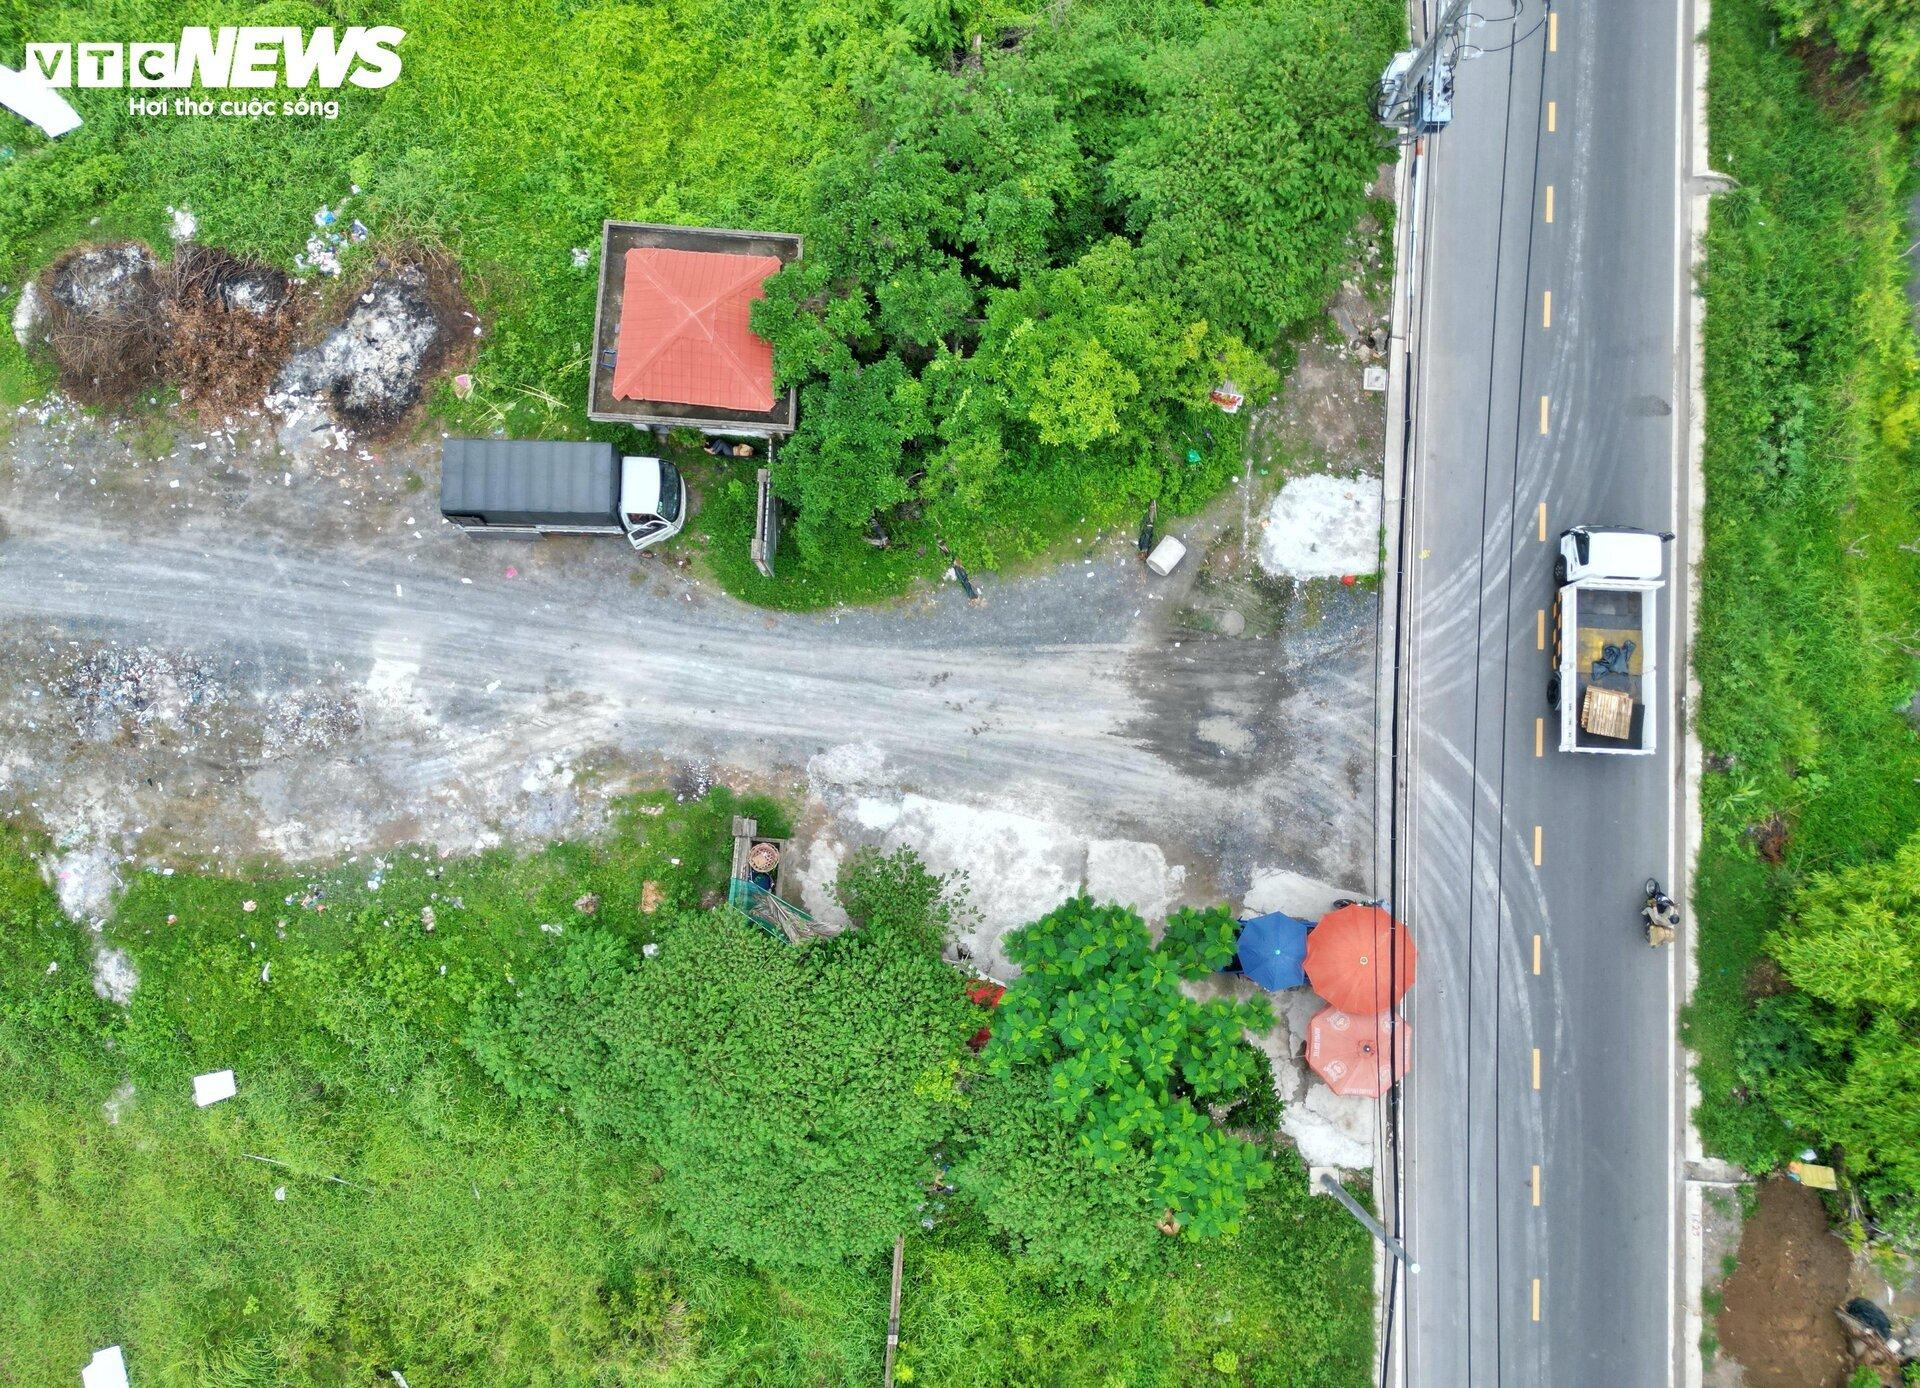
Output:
(1539, 1160)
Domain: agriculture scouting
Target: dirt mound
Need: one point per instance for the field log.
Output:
(100, 314)
(406, 324)
(1777, 1317)
(117, 321)
(229, 325)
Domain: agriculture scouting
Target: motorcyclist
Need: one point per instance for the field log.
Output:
(1661, 915)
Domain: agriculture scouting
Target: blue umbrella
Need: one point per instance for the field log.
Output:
(1273, 949)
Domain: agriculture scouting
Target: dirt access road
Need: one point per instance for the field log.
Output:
(219, 651)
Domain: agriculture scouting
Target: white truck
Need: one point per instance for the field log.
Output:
(543, 487)
(1605, 675)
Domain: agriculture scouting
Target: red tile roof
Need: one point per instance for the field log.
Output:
(683, 330)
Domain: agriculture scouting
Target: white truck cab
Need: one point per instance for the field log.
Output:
(1629, 555)
(653, 500)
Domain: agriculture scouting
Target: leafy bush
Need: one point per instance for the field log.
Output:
(892, 895)
(1839, 1059)
(1069, 1216)
(794, 1097)
(1884, 33)
(1025, 273)
(1131, 1061)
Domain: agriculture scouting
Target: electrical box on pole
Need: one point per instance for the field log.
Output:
(1415, 93)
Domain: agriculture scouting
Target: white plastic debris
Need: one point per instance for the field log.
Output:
(212, 1087)
(107, 1369)
(279, 1192)
(1166, 556)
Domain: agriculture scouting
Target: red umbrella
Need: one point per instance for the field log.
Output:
(1350, 1053)
(1348, 954)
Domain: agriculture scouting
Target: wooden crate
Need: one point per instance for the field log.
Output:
(1607, 712)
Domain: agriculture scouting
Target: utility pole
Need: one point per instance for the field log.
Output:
(1415, 93)
(1374, 1226)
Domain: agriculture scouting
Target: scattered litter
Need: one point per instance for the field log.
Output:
(582, 257)
(649, 897)
(279, 1192)
(649, 949)
(462, 386)
(185, 224)
(212, 1087)
(1374, 378)
(107, 1369)
(249, 906)
(427, 919)
(512, 572)
(587, 904)
(357, 231)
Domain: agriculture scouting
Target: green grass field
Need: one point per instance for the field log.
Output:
(432, 1225)
(1810, 585)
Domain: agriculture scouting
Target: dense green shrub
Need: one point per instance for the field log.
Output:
(1069, 1215)
(792, 1097)
(1025, 272)
(1131, 1061)
(1838, 1060)
(1883, 33)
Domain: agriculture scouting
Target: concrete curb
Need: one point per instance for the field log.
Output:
(1403, 333)
(1689, 1369)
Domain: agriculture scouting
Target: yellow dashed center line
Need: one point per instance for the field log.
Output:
(1539, 737)
(1536, 845)
(1543, 414)
(1536, 1298)
(1536, 1067)
(1546, 308)
(1553, 31)
(1540, 629)
(1543, 520)
(1536, 1183)
(1553, 113)
(1549, 202)
(1536, 954)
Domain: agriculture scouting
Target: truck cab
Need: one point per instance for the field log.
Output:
(1632, 556)
(653, 500)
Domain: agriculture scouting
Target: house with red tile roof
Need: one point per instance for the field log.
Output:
(674, 345)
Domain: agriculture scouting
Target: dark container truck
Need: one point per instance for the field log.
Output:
(539, 487)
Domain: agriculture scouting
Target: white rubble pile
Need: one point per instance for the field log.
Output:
(1322, 527)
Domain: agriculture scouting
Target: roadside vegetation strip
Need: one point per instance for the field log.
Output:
(1809, 646)
(499, 1122)
(1036, 239)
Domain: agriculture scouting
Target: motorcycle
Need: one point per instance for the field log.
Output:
(1660, 916)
